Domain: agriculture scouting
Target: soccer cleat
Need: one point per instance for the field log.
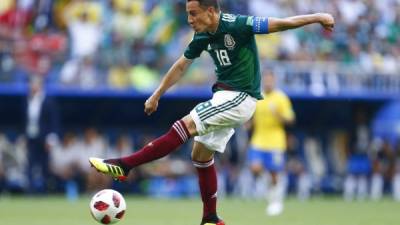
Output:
(220, 222)
(115, 171)
(211, 220)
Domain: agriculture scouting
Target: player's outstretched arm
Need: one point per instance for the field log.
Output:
(277, 24)
(173, 75)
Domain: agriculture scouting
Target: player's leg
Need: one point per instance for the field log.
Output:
(275, 195)
(276, 192)
(206, 117)
(203, 159)
(179, 133)
(274, 178)
(256, 165)
(214, 120)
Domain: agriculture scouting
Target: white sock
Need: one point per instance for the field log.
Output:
(260, 186)
(376, 186)
(277, 192)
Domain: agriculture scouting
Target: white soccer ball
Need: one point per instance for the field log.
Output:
(107, 206)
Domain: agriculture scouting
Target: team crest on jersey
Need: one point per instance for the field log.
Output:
(229, 42)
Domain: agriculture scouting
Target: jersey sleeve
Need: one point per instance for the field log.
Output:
(244, 24)
(195, 48)
(253, 24)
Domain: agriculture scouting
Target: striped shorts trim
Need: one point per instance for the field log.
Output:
(212, 111)
(216, 118)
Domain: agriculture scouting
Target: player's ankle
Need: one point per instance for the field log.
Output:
(210, 218)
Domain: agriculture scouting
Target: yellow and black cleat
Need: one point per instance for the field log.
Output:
(112, 170)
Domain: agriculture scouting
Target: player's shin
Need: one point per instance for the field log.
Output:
(208, 189)
(162, 146)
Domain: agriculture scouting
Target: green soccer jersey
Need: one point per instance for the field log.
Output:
(234, 52)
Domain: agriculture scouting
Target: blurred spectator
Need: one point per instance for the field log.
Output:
(13, 161)
(37, 52)
(315, 159)
(116, 52)
(14, 23)
(351, 10)
(123, 146)
(43, 10)
(64, 164)
(14, 20)
(42, 127)
(118, 77)
(297, 167)
(396, 176)
(2, 175)
(4, 149)
(83, 21)
(383, 167)
(80, 73)
(359, 164)
(93, 143)
(143, 77)
(130, 21)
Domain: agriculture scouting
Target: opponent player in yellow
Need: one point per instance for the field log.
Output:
(268, 142)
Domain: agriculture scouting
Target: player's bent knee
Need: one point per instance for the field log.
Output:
(200, 153)
(190, 125)
(256, 169)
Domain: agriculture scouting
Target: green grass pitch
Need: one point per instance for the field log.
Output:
(142, 211)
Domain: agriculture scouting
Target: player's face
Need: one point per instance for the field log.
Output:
(269, 82)
(199, 19)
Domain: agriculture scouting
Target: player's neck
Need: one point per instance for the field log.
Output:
(269, 91)
(214, 26)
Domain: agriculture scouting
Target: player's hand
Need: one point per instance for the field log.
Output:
(327, 21)
(151, 105)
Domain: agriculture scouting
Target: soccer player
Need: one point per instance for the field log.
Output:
(229, 39)
(268, 142)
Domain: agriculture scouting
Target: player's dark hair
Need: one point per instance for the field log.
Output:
(207, 3)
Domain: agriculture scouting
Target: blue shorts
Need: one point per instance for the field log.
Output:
(271, 160)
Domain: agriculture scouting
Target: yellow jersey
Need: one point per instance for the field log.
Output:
(269, 131)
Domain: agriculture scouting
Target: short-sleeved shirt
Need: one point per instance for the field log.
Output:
(234, 52)
(269, 131)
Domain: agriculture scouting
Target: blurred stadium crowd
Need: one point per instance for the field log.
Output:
(123, 44)
(352, 164)
(130, 44)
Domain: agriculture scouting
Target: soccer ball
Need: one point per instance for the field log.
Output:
(107, 206)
